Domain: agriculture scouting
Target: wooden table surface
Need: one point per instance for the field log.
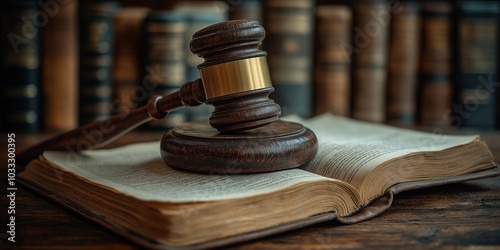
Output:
(460, 215)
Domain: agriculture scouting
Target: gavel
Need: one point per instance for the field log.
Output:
(235, 79)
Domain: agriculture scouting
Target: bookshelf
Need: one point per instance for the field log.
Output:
(408, 62)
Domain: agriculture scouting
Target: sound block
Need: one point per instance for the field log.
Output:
(196, 146)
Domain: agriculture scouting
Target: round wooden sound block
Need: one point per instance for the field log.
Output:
(196, 146)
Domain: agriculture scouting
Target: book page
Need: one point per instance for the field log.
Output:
(350, 149)
(139, 171)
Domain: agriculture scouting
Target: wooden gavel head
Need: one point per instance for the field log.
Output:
(235, 75)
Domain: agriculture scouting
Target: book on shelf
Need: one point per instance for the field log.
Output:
(435, 87)
(163, 67)
(60, 66)
(126, 64)
(403, 61)
(199, 14)
(21, 65)
(332, 72)
(369, 52)
(359, 168)
(476, 64)
(289, 44)
(95, 59)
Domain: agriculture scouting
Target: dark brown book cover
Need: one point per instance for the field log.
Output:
(126, 67)
(369, 51)
(435, 88)
(60, 67)
(289, 44)
(332, 73)
(403, 62)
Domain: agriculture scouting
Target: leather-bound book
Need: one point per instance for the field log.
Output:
(20, 84)
(163, 67)
(370, 42)
(289, 44)
(404, 54)
(332, 73)
(60, 67)
(96, 54)
(477, 63)
(435, 89)
(126, 68)
(358, 172)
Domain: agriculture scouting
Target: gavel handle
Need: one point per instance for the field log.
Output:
(99, 133)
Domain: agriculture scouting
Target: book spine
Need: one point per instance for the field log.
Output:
(96, 52)
(246, 10)
(477, 38)
(164, 70)
(126, 68)
(290, 35)
(199, 14)
(435, 89)
(370, 42)
(60, 66)
(20, 94)
(332, 73)
(402, 77)
(195, 21)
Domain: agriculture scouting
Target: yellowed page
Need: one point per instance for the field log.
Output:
(139, 171)
(349, 149)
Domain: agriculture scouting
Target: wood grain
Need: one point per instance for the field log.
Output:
(453, 216)
(198, 147)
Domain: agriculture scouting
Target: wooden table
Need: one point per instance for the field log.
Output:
(457, 215)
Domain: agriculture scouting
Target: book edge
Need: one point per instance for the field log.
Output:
(381, 203)
(372, 209)
(148, 243)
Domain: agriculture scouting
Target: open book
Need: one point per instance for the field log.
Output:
(358, 169)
